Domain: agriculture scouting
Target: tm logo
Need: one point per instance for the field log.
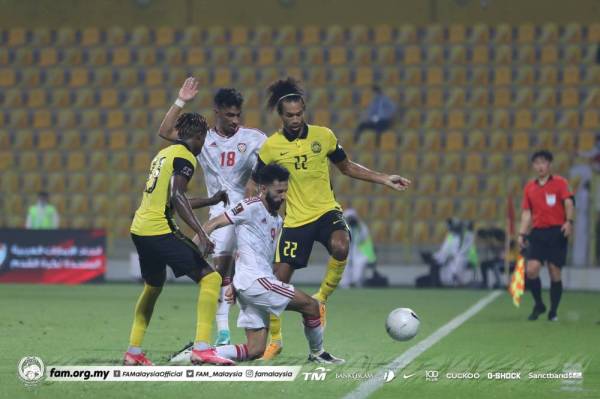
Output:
(318, 374)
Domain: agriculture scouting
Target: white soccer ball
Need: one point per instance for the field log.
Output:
(402, 324)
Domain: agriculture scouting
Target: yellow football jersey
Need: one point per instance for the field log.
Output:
(154, 215)
(310, 194)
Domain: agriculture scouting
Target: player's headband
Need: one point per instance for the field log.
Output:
(289, 95)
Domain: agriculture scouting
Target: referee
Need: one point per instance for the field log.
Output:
(547, 207)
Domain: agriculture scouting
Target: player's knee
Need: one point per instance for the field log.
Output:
(339, 249)
(312, 308)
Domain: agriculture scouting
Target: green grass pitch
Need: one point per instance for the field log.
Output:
(89, 325)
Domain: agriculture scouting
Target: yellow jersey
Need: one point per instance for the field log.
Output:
(154, 215)
(306, 157)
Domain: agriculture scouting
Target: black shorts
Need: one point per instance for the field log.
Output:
(548, 245)
(295, 243)
(173, 249)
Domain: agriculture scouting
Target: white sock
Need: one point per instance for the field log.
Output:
(223, 311)
(314, 334)
(233, 352)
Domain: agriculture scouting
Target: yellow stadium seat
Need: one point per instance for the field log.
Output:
(434, 98)
(32, 183)
(481, 76)
(548, 33)
(383, 34)
(451, 163)
(434, 120)
(549, 54)
(421, 233)
(195, 56)
(36, 98)
(140, 36)
(586, 141)
(476, 140)
(526, 55)
(434, 34)
(361, 206)
(121, 182)
(381, 208)
(7, 160)
(545, 119)
(192, 36)
(174, 56)
(474, 163)
(502, 97)
(480, 55)
(488, 210)
(141, 160)
(95, 140)
(164, 36)
(593, 35)
(100, 204)
(380, 231)
(363, 76)
(285, 36)
(408, 163)
(426, 184)
(525, 33)
(502, 76)
(571, 75)
(78, 205)
(457, 98)
(115, 119)
(467, 209)
(13, 98)
(5, 139)
(546, 98)
(31, 77)
(572, 34)
(478, 120)
(109, 98)
(458, 76)
(432, 141)
(520, 163)
(70, 139)
(386, 56)
(412, 55)
(503, 34)
(520, 141)
(469, 186)
(16, 37)
(157, 98)
(24, 140)
(458, 55)
(548, 76)
(116, 36)
(363, 55)
(411, 98)
(444, 209)
(117, 140)
(310, 35)
(457, 34)
(154, 77)
(56, 183)
(456, 120)
(515, 185)
(544, 139)
(448, 184)
(523, 119)
(572, 54)
(501, 119)
(454, 141)
(503, 55)
(76, 161)
(423, 208)
(24, 57)
(52, 161)
(399, 232)
(407, 34)
(496, 162)
(569, 98)
(99, 162)
(479, 98)
(480, 34)
(590, 120)
(79, 77)
(565, 141)
(19, 119)
(412, 76)
(569, 120)
(388, 141)
(77, 183)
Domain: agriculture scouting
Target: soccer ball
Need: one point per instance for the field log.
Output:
(402, 324)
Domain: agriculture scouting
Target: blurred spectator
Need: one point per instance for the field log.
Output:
(581, 176)
(490, 243)
(362, 252)
(379, 114)
(447, 265)
(42, 215)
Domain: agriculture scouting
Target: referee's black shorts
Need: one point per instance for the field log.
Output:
(173, 249)
(548, 245)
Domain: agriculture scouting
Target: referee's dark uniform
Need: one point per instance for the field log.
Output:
(547, 243)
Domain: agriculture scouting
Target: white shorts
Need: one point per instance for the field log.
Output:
(225, 241)
(263, 297)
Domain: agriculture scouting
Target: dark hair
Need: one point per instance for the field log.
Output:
(544, 154)
(288, 87)
(190, 124)
(43, 194)
(271, 172)
(228, 97)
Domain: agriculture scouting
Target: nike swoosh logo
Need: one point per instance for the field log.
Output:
(282, 153)
(407, 376)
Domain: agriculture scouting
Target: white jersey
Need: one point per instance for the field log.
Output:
(227, 163)
(257, 231)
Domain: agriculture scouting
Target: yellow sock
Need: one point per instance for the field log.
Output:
(143, 314)
(275, 329)
(210, 288)
(335, 269)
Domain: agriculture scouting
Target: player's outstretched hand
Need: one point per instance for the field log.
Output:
(396, 182)
(204, 243)
(189, 89)
(230, 294)
(220, 196)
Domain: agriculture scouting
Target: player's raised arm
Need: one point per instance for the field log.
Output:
(357, 171)
(216, 223)
(220, 196)
(187, 92)
(178, 187)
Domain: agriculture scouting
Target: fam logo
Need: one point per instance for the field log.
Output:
(242, 147)
(3, 253)
(317, 374)
(315, 147)
(31, 370)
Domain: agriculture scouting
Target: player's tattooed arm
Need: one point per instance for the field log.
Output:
(357, 171)
(178, 187)
(220, 196)
(216, 223)
(187, 92)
